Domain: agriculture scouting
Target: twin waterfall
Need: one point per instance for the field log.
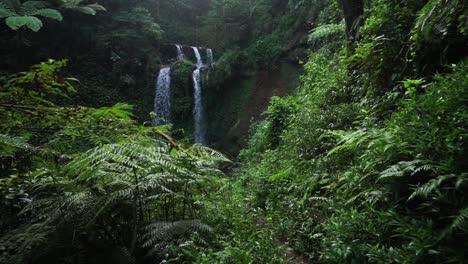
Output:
(162, 101)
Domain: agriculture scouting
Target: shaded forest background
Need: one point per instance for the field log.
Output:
(345, 122)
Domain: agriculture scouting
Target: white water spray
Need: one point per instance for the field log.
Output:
(209, 56)
(180, 52)
(198, 109)
(198, 56)
(162, 100)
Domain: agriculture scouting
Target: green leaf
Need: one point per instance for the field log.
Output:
(10, 5)
(119, 110)
(16, 22)
(326, 31)
(5, 13)
(50, 13)
(97, 7)
(85, 10)
(29, 7)
(280, 176)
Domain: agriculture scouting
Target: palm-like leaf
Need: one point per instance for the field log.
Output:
(18, 15)
(130, 185)
(49, 13)
(90, 9)
(326, 31)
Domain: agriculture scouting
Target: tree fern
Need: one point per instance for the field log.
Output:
(18, 15)
(327, 31)
(158, 235)
(146, 189)
(76, 5)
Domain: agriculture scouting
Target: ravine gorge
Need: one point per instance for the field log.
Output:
(233, 131)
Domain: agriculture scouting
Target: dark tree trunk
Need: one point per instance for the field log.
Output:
(352, 10)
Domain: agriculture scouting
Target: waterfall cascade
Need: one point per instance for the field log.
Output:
(209, 56)
(162, 101)
(200, 133)
(198, 56)
(198, 109)
(180, 52)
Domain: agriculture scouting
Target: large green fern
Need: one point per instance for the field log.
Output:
(145, 188)
(18, 15)
(327, 31)
(76, 5)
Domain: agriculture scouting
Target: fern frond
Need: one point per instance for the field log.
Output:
(207, 154)
(90, 9)
(460, 222)
(10, 144)
(162, 233)
(16, 22)
(5, 12)
(327, 31)
(29, 7)
(11, 6)
(96, 7)
(405, 168)
(426, 189)
(130, 184)
(49, 13)
(119, 110)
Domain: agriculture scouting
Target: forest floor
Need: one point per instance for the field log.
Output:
(292, 256)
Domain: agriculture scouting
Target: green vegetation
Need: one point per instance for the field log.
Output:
(182, 97)
(92, 176)
(363, 162)
(19, 14)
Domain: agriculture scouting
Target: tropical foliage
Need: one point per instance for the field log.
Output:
(19, 14)
(25, 14)
(344, 120)
(131, 192)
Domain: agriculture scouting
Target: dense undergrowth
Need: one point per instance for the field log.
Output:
(364, 163)
(344, 188)
(80, 184)
(367, 162)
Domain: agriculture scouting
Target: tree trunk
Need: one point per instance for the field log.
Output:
(352, 10)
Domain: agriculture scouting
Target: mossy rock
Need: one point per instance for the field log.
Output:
(182, 97)
(127, 79)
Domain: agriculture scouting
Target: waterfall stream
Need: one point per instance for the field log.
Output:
(162, 101)
(198, 109)
(180, 52)
(198, 56)
(209, 56)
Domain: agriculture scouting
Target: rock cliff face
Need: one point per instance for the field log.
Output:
(244, 99)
